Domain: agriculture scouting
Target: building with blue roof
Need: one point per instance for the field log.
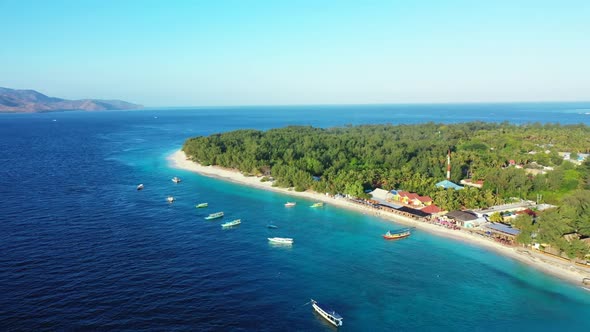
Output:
(446, 184)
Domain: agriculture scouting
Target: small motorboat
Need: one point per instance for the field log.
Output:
(214, 216)
(399, 234)
(202, 205)
(317, 205)
(170, 199)
(140, 186)
(328, 313)
(231, 223)
(272, 226)
(281, 240)
(176, 179)
(290, 204)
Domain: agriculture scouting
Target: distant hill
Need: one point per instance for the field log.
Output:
(13, 101)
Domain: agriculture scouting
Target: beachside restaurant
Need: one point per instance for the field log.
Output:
(466, 219)
(501, 233)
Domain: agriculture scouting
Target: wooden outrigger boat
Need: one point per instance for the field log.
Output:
(398, 234)
(214, 215)
(231, 223)
(328, 313)
(281, 240)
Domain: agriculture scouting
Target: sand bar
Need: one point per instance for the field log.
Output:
(560, 268)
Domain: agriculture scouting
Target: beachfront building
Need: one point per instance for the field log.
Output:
(432, 209)
(512, 207)
(412, 199)
(381, 194)
(501, 233)
(382, 198)
(466, 219)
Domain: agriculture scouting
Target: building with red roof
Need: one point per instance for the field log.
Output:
(431, 209)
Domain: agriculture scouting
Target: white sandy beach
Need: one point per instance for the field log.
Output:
(562, 269)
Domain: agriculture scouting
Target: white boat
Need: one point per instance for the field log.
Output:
(290, 204)
(170, 199)
(176, 179)
(328, 313)
(231, 223)
(281, 240)
(214, 216)
(140, 186)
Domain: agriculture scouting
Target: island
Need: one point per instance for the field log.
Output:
(522, 190)
(30, 101)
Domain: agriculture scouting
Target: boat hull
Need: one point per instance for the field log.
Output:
(326, 316)
(214, 216)
(280, 240)
(395, 236)
(231, 223)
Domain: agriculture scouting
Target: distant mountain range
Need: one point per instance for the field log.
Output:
(13, 101)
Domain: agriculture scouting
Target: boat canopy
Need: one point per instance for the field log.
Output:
(401, 230)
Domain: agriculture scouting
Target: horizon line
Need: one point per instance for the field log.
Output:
(374, 104)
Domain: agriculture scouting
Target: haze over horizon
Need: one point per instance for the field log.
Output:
(226, 53)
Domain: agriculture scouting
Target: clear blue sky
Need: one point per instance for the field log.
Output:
(243, 52)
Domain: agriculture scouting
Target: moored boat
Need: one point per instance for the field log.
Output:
(214, 215)
(398, 234)
(176, 179)
(140, 186)
(201, 205)
(318, 204)
(170, 199)
(272, 226)
(290, 204)
(328, 313)
(281, 240)
(231, 223)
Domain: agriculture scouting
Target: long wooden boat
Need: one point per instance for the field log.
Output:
(328, 313)
(231, 223)
(214, 215)
(281, 240)
(398, 234)
(201, 205)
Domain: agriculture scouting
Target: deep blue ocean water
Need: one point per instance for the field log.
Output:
(81, 249)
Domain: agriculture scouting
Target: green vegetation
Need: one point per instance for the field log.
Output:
(354, 159)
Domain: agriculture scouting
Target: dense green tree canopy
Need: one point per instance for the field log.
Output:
(353, 159)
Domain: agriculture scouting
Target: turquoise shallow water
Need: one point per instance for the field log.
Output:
(82, 249)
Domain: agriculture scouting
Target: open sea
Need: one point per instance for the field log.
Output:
(81, 249)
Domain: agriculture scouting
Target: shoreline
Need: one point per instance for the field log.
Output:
(563, 270)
